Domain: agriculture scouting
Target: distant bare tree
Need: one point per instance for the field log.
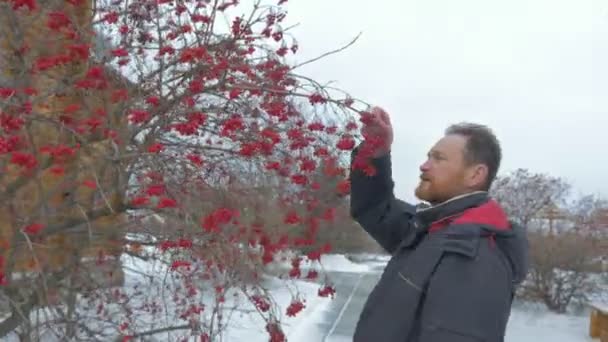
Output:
(524, 194)
(562, 261)
(589, 211)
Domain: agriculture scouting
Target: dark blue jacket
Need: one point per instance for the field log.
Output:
(454, 270)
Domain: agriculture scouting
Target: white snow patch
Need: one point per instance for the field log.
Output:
(602, 306)
(537, 324)
(251, 328)
(245, 323)
(339, 263)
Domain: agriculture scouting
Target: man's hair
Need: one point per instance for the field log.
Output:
(482, 147)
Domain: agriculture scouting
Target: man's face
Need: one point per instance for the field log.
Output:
(445, 173)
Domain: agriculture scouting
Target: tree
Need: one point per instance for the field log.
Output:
(562, 261)
(562, 269)
(524, 195)
(589, 211)
(159, 122)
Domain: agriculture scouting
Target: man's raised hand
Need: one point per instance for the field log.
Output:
(377, 131)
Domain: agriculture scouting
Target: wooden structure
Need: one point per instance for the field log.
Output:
(598, 325)
(552, 215)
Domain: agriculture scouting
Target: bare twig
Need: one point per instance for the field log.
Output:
(328, 53)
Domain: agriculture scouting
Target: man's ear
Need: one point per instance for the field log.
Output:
(478, 175)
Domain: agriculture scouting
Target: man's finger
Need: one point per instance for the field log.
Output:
(384, 117)
(379, 116)
(376, 116)
(371, 131)
(365, 130)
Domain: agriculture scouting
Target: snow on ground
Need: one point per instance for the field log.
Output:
(251, 328)
(159, 298)
(532, 324)
(339, 263)
(244, 322)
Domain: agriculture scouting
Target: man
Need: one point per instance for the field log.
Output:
(456, 260)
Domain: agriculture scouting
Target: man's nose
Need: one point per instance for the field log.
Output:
(425, 166)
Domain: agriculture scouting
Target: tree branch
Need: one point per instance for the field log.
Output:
(75, 222)
(157, 331)
(328, 53)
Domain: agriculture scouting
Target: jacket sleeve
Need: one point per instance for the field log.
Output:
(373, 205)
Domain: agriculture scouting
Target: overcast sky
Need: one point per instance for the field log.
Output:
(536, 71)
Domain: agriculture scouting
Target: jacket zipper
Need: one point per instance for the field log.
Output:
(409, 282)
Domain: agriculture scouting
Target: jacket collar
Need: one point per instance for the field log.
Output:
(426, 215)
